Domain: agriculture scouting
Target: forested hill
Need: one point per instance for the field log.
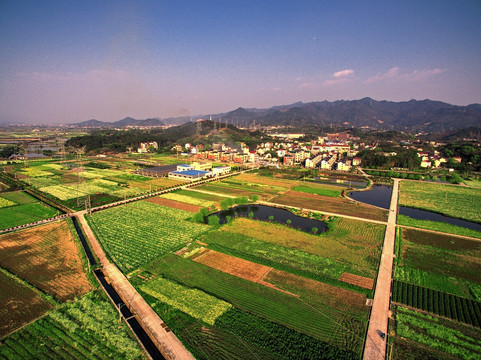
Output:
(205, 132)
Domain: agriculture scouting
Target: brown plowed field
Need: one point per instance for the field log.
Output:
(174, 204)
(357, 280)
(233, 265)
(48, 258)
(330, 204)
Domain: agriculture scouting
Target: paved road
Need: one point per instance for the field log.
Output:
(165, 340)
(378, 323)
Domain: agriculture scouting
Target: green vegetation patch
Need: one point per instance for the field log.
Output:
(194, 302)
(456, 201)
(24, 214)
(138, 232)
(316, 190)
(19, 197)
(86, 329)
(447, 337)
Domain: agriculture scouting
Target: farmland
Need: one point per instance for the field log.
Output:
(437, 226)
(263, 301)
(455, 201)
(19, 303)
(454, 263)
(20, 208)
(350, 246)
(130, 242)
(85, 329)
(67, 181)
(443, 337)
(267, 188)
(47, 257)
(329, 204)
(437, 302)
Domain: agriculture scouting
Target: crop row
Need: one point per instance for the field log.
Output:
(86, 329)
(131, 242)
(429, 331)
(437, 302)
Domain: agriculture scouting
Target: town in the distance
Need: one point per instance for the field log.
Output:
(233, 237)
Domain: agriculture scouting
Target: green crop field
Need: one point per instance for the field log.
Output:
(138, 232)
(445, 337)
(194, 302)
(319, 191)
(437, 302)
(316, 320)
(85, 329)
(349, 245)
(23, 209)
(454, 263)
(456, 201)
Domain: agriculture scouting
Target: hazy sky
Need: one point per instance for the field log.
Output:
(69, 61)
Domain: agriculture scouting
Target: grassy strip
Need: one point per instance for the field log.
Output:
(318, 191)
(437, 226)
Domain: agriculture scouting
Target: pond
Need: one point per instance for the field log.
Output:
(432, 216)
(281, 216)
(379, 195)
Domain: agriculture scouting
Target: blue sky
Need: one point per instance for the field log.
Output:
(69, 61)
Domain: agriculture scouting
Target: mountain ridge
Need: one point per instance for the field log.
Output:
(413, 115)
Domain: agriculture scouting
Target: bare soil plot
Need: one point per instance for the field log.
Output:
(232, 265)
(330, 204)
(47, 257)
(357, 280)
(18, 304)
(174, 204)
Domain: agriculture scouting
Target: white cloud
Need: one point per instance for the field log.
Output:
(275, 88)
(394, 73)
(343, 73)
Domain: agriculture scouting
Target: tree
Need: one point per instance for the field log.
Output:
(213, 220)
(315, 230)
(254, 197)
(271, 217)
(289, 222)
(250, 215)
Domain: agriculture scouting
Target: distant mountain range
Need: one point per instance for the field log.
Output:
(413, 115)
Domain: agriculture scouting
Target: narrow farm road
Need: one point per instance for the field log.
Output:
(378, 323)
(165, 340)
